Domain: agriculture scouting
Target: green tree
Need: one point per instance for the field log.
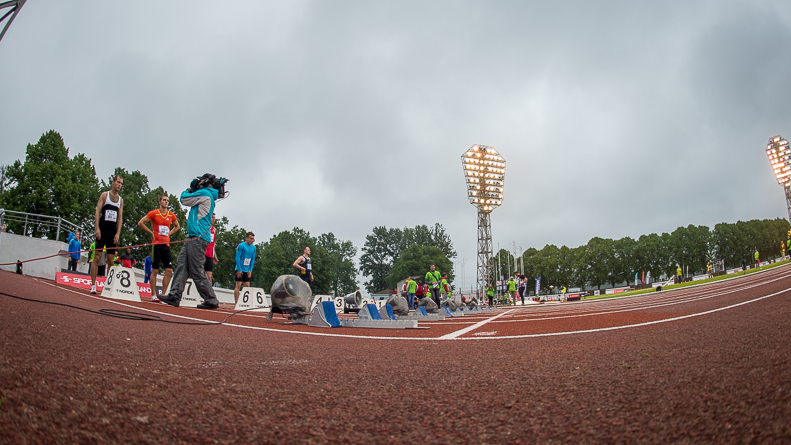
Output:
(139, 199)
(651, 255)
(276, 256)
(331, 260)
(339, 269)
(415, 262)
(531, 272)
(623, 260)
(384, 246)
(502, 265)
(598, 259)
(380, 251)
(51, 183)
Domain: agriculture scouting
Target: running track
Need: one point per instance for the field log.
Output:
(707, 364)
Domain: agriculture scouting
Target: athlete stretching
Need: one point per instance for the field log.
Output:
(108, 217)
(161, 219)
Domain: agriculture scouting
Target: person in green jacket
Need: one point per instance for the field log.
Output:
(433, 278)
(757, 258)
(490, 294)
(511, 290)
(444, 287)
(678, 273)
(411, 288)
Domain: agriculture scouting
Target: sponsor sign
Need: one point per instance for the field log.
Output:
(84, 282)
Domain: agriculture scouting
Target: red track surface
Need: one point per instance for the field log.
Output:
(708, 364)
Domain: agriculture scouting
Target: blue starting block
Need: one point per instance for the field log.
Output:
(324, 316)
(421, 315)
(369, 317)
(386, 312)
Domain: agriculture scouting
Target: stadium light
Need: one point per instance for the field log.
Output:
(13, 10)
(484, 173)
(779, 154)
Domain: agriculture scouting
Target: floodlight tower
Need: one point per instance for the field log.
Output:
(484, 172)
(779, 155)
(14, 7)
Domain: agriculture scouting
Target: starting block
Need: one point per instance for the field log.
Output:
(420, 314)
(369, 317)
(450, 313)
(121, 284)
(324, 316)
(386, 312)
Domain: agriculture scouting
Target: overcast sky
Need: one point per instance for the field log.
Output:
(616, 118)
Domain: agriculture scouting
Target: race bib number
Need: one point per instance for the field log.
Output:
(246, 262)
(111, 215)
(164, 231)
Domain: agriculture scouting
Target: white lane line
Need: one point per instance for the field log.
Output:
(322, 334)
(463, 331)
(637, 307)
(636, 325)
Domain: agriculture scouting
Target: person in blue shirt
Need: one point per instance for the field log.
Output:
(245, 259)
(74, 250)
(147, 267)
(200, 198)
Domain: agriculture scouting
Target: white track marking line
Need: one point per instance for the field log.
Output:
(639, 306)
(647, 323)
(321, 334)
(463, 331)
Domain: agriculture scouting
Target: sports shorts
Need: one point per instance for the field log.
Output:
(162, 256)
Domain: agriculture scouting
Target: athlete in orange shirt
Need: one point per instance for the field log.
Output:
(161, 219)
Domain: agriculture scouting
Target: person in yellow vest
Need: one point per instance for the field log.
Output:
(678, 273)
(444, 287)
(511, 291)
(411, 288)
(783, 249)
(563, 293)
(490, 294)
(433, 278)
(757, 258)
(709, 269)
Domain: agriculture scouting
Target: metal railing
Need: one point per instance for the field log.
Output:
(42, 226)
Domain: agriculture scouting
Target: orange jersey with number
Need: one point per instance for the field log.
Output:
(161, 224)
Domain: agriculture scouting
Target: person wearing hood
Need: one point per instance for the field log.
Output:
(191, 259)
(74, 250)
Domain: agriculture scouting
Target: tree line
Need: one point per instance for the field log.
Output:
(50, 182)
(604, 261)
